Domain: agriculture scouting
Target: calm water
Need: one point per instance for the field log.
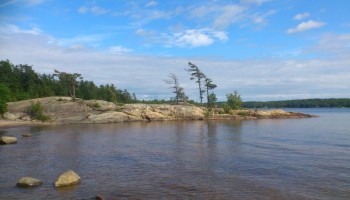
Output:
(252, 159)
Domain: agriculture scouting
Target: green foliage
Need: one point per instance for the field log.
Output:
(234, 101)
(36, 112)
(24, 83)
(179, 92)
(197, 75)
(5, 96)
(96, 105)
(221, 111)
(3, 107)
(301, 103)
(243, 113)
(69, 80)
(212, 100)
(208, 113)
(226, 108)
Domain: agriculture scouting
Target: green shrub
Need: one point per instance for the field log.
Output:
(36, 112)
(221, 111)
(208, 113)
(227, 108)
(243, 113)
(5, 96)
(96, 105)
(3, 107)
(119, 104)
(60, 99)
(234, 101)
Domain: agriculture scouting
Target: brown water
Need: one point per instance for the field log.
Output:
(253, 159)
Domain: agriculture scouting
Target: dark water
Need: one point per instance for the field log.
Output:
(252, 159)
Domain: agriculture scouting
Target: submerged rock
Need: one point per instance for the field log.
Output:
(67, 179)
(8, 140)
(29, 182)
(26, 135)
(99, 197)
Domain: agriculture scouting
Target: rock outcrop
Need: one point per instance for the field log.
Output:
(8, 140)
(29, 182)
(68, 178)
(66, 110)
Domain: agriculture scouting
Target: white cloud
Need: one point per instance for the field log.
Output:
(230, 14)
(196, 38)
(220, 35)
(34, 2)
(258, 2)
(98, 10)
(140, 31)
(332, 45)
(8, 28)
(3, 4)
(83, 10)
(151, 4)
(192, 38)
(119, 49)
(25, 2)
(304, 26)
(301, 16)
(222, 16)
(95, 10)
(188, 38)
(260, 18)
(88, 40)
(265, 79)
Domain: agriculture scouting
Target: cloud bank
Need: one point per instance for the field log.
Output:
(264, 79)
(304, 26)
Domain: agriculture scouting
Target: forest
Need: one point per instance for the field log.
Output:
(301, 103)
(20, 82)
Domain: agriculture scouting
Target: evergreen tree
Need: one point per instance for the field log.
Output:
(70, 80)
(177, 89)
(197, 75)
(209, 86)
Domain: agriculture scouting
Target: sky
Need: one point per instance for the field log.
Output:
(264, 49)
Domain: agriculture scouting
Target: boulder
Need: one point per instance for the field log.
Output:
(8, 140)
(26, 135)
(29, 182)
(109, 117)
(10, 116)
(68, 178)
(101, 105)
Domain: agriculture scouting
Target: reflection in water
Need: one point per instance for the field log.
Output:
(257, 159)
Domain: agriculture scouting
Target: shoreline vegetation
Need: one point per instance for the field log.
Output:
(67, 110)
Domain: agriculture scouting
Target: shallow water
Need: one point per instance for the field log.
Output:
(251, 159)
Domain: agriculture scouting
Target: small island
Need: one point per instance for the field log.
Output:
(66, 110)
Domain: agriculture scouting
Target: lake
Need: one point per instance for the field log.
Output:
(250, 159)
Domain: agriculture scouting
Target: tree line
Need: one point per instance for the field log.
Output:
(300, 103)
(21, 82)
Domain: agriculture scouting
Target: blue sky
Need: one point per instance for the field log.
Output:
(265, 49)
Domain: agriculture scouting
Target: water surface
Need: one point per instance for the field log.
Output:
(251, 159)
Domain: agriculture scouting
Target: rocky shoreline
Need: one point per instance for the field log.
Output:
(64, 110)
